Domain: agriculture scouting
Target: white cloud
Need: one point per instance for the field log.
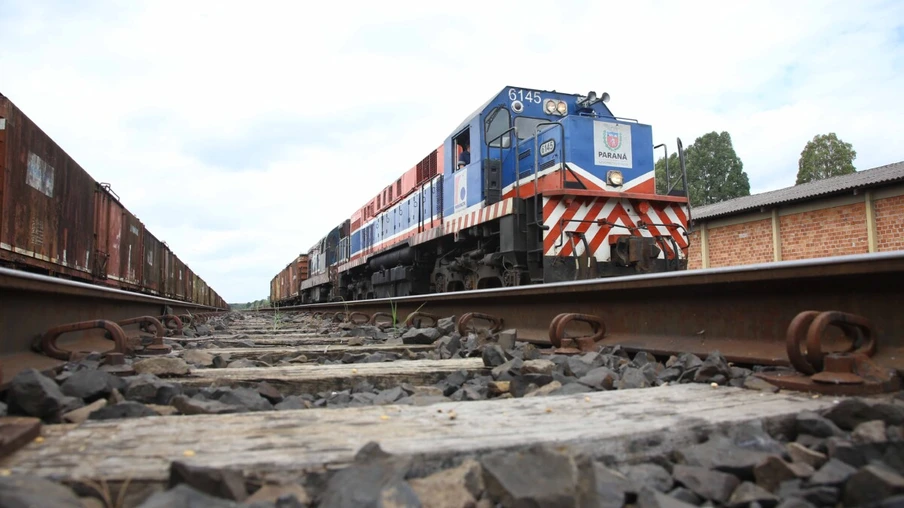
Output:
(241, 133)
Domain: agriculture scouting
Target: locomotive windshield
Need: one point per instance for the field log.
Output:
(527, 126)
(496, 124)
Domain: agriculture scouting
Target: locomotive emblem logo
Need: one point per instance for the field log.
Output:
(461, 190)
(612, 145)
(613, 139)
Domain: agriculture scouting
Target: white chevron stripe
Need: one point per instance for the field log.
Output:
(527, 180)
(674, 217)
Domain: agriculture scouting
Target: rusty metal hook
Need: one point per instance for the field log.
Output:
(559, 323)
(50, 348)
(465, 319)
(174, 319)
(186, 319)
(796, 335)
(158, 326)
(848, 372)
(419, 314)
(358, 318)
(808, 328)
(853, 326)
(157, 347)
(377, 315)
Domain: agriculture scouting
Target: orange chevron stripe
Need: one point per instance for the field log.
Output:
(645, 187)
(551, 181)
(551, 205)
(595, 209)
(673, 231)
(679, 212)
(669, 253)
(618, 212)
(569, 176)
(552, 236)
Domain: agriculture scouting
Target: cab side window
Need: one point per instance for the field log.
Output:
(462, 150)
(496, 123)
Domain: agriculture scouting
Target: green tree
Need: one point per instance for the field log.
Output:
(256, 304)
(825, 156)
(714, 171)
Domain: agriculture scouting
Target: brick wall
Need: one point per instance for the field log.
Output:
(694, 256)
(890, 223)
(741, 244)
(835, 231)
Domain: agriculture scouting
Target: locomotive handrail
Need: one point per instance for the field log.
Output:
(537, 221)
(687, 191)
(668, 178)
(594, 114)
(668, 175)
(501, 148)
(683, 177)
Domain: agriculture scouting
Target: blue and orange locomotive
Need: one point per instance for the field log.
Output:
(533, 187)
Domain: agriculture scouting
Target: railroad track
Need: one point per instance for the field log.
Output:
(744, 312)
(670, 393)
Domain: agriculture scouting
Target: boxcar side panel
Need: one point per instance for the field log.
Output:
(131, 249)
(3, 162)
(169, 272)
(152, 254)
(76, 222)
(108, 233)
(178, 278)
(30, 218)
(189, 283)
(102, 238)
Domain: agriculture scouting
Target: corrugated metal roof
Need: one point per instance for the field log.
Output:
(866, 178)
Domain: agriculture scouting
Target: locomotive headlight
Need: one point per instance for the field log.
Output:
(615, 178)
(562, 108)
(550, 106)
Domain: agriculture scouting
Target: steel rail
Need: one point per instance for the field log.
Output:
(18, 280)
(742, 311)
(31, 304)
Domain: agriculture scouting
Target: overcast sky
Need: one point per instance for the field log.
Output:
(241, 132)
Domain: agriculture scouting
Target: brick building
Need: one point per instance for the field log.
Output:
(851, 214)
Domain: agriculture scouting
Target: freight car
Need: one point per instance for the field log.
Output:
(533, 187)
(57, 220)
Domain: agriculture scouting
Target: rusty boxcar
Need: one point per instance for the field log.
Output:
(57, 220)
(46, 216)
(117, 233)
